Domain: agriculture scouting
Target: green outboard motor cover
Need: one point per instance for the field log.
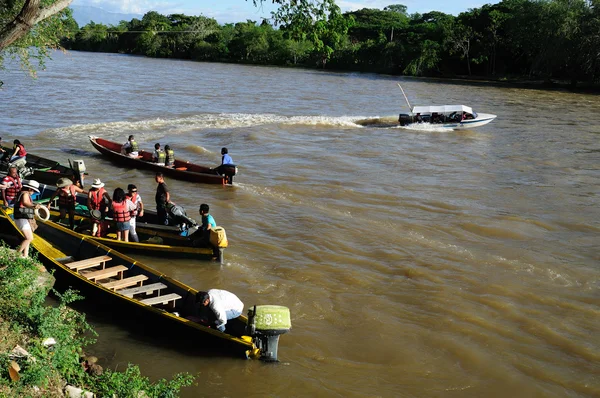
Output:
(272, 317)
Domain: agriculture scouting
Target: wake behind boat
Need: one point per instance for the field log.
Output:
(183, 170)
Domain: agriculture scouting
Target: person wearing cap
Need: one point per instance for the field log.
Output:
(67, 197)
(99, 201)
(136, 199)
(24, 214)
(224, 306)
(12, 183)
(162, 198)
(159, 156)
(19, 151)
(130, 148)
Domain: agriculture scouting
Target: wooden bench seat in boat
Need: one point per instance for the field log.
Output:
(88, 263)
(106, 273)
(166, 299)
(148, 289)
(123, 283)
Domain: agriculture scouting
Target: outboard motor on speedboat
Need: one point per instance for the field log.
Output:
(405, 119)
(265, 324)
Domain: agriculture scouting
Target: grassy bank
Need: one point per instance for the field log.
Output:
(41, 368)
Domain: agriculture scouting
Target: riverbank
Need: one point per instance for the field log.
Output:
(42, 347)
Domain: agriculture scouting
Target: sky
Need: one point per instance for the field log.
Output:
(226, 11)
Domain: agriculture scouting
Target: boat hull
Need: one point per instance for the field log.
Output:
(57, 246)
(192, 172)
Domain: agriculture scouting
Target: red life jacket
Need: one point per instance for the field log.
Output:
(63, 196)
(21, 211)
(120, 212)
(14, 188)
(22, 152)
(133, 198)
(96, 198)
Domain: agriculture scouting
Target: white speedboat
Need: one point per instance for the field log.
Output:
(456, 117)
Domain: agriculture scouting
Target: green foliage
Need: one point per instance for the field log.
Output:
(22, 303)
(131, 383)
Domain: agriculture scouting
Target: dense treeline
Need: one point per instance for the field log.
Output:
(544, 39)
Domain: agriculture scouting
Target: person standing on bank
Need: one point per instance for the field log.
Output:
(225, 305)
(136, 199)
(130, 148)
(19, 151)
(122, 209)
(159, 156)
(67, 198)
(98, 200)
(12, 181)
(24, 214)
(162, 198)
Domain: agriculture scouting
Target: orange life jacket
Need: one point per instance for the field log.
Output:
(96, 197)
(120, 212)
(14, 188)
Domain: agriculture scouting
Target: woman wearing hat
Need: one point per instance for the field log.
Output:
(66, 193)
(24, 213)
(98, 202)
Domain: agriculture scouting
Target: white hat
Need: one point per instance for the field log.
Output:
(63, 182)
(32, 184)
(97, 183)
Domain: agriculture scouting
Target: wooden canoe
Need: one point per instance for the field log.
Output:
(45, 170)
(172, 243)
(183, 170)
(119, 284)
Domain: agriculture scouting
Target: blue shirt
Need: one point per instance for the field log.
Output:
(208, 219)
(227, 159)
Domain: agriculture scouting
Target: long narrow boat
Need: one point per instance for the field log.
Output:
(183, 170)
(155, 239)
(47, 171)
(117, 283)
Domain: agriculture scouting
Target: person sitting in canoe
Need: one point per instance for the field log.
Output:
(130, 148)
(170, 156)
(122, 209)
(98, 203)
(19, 151)
(159, 156)
(66, 192)
(222, 304)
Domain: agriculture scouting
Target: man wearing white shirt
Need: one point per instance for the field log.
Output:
(225, 305)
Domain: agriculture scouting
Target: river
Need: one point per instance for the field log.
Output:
(415, 263)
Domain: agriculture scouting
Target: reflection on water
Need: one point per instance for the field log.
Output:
(428, 262)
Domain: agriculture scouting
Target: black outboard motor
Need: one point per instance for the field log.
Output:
(179, 216)
(405, 119)
(229, 171)
(265, 324)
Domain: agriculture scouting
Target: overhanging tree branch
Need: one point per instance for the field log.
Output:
(31, 14)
